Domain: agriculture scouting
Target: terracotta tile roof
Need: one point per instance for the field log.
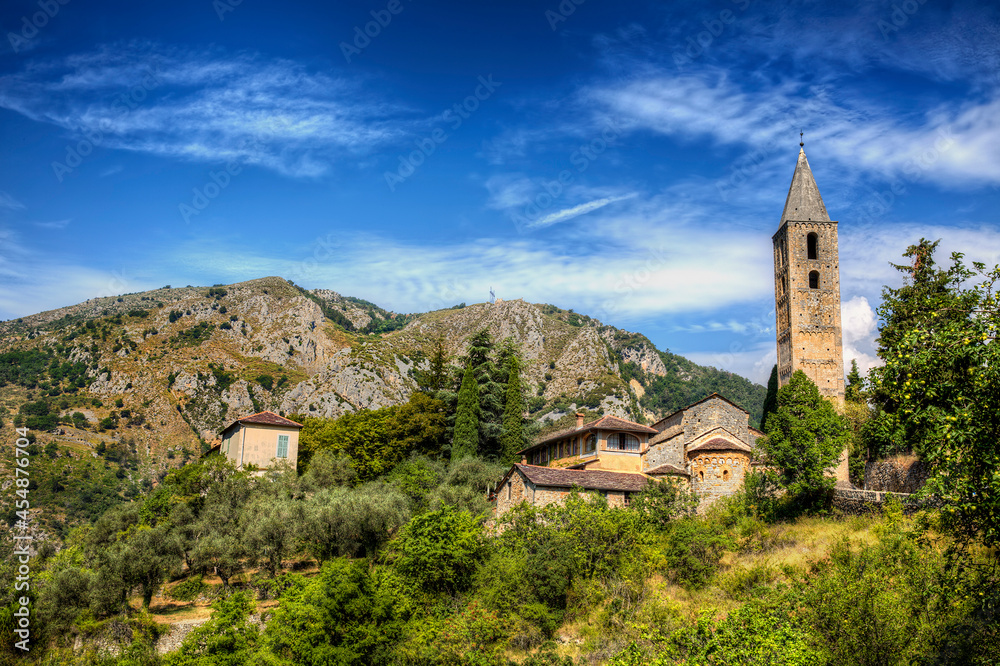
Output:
(720, 444)
(265, 418)
(603, 423)
(666, 468)
(588, 479)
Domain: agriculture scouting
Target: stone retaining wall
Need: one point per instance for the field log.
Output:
(898, 475)
(864, 501)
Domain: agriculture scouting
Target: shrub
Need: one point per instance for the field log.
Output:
(692, 548)
(188, 590)
(440, 550)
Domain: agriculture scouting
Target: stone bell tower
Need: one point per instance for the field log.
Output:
(807, 288)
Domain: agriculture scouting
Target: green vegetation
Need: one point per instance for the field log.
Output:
(938, 392)
(466, 441)
(805, 437)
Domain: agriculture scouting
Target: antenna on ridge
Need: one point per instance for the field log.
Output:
(493, 296)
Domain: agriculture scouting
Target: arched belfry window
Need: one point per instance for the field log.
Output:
(812, 246)
(814, 279)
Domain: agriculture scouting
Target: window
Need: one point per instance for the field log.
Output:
(282, 446)
(701, 476)
(508, 489)
(621, 441)
(725, 475)
(812, 241)
(814, 279)
(591, 443)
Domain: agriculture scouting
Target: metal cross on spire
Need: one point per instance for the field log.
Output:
(801, 142)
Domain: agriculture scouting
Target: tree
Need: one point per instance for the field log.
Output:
(939, 388)
(435, 378)
(491, 387)
(855, 385)
(770, 399)
(805, 436)
(440, 550)
(271, 528)
(512, 437)
(466, 440)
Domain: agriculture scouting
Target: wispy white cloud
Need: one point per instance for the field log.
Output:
(955, 143)
(206, 105)
(576, 211)
(9, 202)
(54, 224)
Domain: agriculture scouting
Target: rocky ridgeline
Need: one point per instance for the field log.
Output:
(185, 362)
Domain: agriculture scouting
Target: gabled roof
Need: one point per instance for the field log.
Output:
(804, 202)
(603, 423)
(265, 418)
(588, 479)
(707, 397)
(666, 469)
(720, 444)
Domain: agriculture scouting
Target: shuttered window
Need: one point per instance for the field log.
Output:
(282, 446)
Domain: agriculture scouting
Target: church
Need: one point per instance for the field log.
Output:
(708, 445)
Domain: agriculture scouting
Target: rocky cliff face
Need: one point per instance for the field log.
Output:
(170, 366)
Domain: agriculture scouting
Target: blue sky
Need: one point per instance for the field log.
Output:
(629, 160)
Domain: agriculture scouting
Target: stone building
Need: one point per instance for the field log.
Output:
(708, 445)
(807, 293)
(807, 288)
(539, 486)
(261, 439)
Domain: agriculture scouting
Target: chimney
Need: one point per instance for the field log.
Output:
(579, 419)
(524, 460)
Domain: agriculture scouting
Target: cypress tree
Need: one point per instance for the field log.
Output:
(512, 437)
(770, 399)
(466, 439)
(855, 388)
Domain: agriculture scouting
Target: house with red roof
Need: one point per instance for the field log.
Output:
(707, 445)
(261, 439)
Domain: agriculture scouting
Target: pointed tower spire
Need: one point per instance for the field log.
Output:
(804, 201)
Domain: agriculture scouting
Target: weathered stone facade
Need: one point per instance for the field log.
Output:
(708, 445)
(807, 289)
(897, 475)
(716, 474)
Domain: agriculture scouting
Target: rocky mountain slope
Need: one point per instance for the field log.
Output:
(166, 369)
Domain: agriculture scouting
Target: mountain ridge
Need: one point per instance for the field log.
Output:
(171, 366)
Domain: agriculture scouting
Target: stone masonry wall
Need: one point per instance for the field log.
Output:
(897, 475)
(716, 474)
(512, 493)
(808, 319)
(714, 413)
